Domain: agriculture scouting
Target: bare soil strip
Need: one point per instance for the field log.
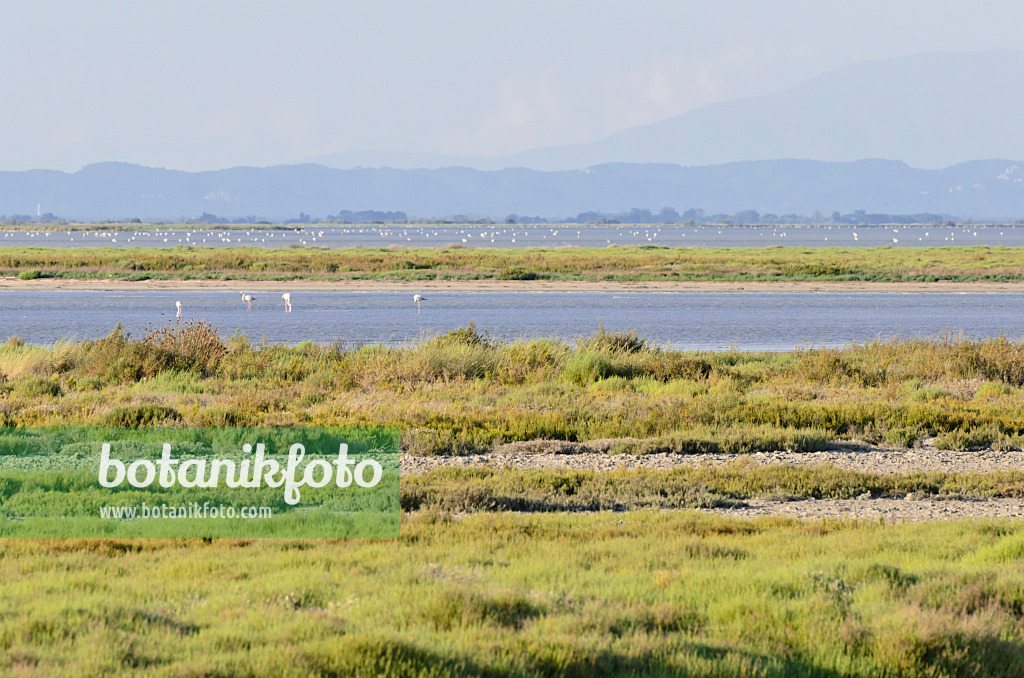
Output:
(889, 510)
(51, 284)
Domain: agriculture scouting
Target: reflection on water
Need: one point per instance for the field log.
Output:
(772, 321)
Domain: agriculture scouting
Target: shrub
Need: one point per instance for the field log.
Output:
(823, 366)
(32, 386)
(147, 414)
(671, 365)
(921, 393)
(585, 367)
(442, 360)
(406, 265)
(31, 274)
(901, 437)
(220, 416)
(536, 358)
(968, 439)
(453, 609)
(116, 358)
(467, 336)
(194, 344)
(517, 273)
(613, 342)
(994, 389)
(428, 443)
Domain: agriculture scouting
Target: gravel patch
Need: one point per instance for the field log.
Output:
(890, 510)
(851, 456)
(592, 455)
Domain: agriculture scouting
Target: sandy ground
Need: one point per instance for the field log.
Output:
(49, 284)
(864, 458)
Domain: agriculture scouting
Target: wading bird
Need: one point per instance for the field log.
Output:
(248, 299)
(178, 304)
(287, 301)
(418, 298)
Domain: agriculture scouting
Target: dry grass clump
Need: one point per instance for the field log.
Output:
(191, 346)
(195, 342)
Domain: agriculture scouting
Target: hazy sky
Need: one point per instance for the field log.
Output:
(211, 83)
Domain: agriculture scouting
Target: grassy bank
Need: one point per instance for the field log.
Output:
(610, 594)
(647, 263)
(462, 393)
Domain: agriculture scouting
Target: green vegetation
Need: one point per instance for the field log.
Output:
(639, 593)
(472, 586)
(460, 490)
(464, 392)
(48, 483)
(645, 263)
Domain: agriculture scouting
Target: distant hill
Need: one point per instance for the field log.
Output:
(928, 110)
(990, 189)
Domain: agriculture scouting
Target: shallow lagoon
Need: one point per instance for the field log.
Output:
(531, 235)
(717, 321)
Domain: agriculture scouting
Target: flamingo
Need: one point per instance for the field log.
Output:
(178, 304)
(248, 299)
(418, 298)
(287, 301)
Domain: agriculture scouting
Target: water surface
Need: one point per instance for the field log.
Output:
(525, 235)
(770, 321)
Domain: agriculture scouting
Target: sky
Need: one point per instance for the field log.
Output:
(209, 84)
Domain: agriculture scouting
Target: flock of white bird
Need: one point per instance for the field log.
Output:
(533, 235)
(287, 296)
(180, 236)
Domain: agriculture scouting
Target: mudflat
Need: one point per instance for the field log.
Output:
(842, 287)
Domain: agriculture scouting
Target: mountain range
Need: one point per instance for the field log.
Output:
(932, 123)
(989, 190)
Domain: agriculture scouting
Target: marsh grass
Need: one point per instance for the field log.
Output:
(638, 593)
(880, 264)
(539, 573)
(465, 392)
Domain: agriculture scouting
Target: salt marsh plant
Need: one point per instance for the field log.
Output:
(464, 391)
(604, 574)
(878, 264)
(644, 593)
